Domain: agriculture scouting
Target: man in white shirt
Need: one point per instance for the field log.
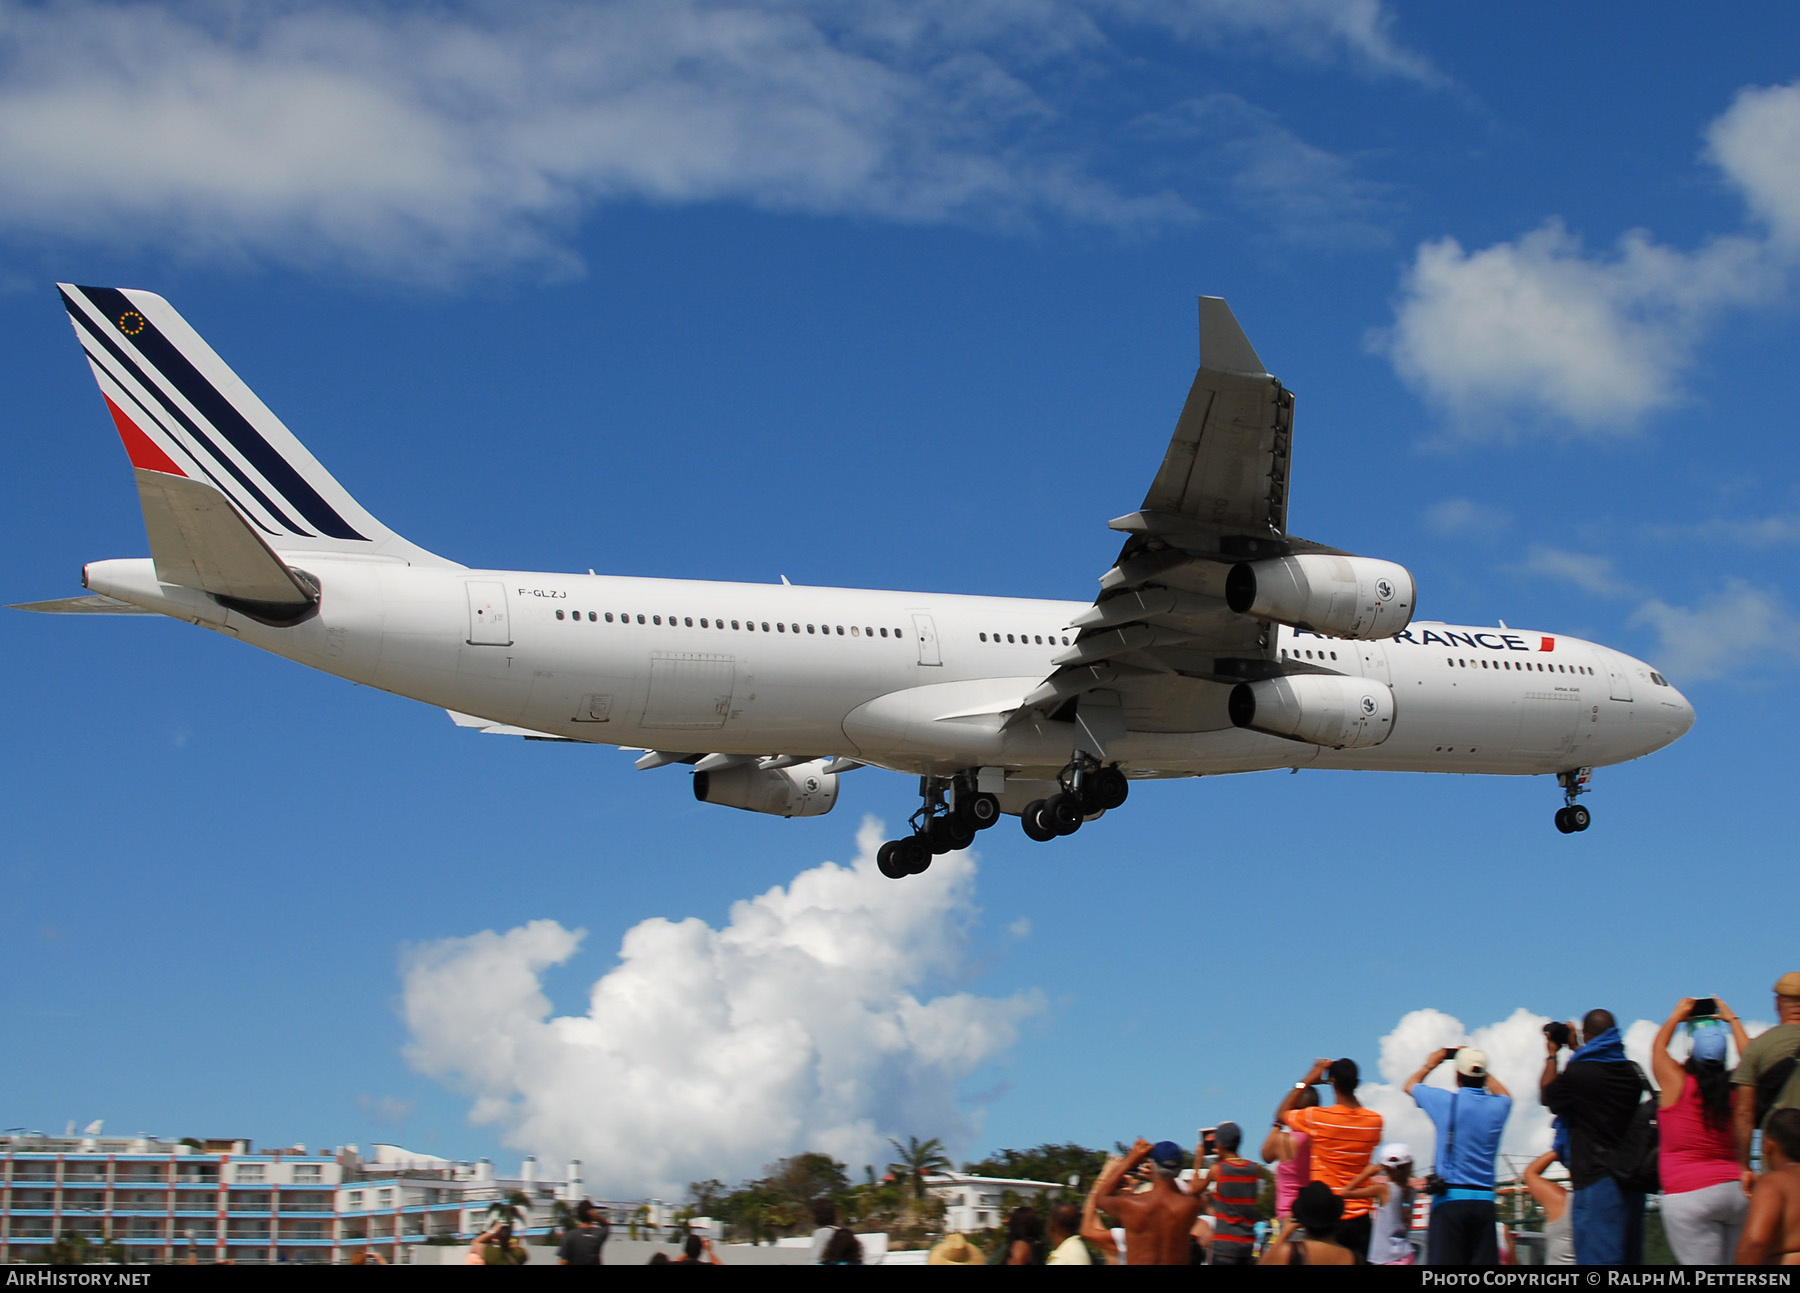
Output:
(1064, 1229)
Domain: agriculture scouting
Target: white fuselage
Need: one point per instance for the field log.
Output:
(914, 682)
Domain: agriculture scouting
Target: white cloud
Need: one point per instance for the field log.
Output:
(1361, 30)
(1588, 571)
(1291, 189)
(1542, 328)
(424, 142)
(1757, 143)
(802, 1024)
(1719, 634)
(1456, 516)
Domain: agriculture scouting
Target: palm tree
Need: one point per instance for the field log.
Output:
(918, 1159)
(512, 1208)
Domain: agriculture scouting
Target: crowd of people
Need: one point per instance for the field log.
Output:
(1344, 1195)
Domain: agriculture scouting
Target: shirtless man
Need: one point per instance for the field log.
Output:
(1772, 1230)
(1157, 1221)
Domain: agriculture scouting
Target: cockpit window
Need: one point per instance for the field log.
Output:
(1658, 679)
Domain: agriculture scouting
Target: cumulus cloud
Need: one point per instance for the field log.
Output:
(423, 141)
(1543, 331)
(804, 1023)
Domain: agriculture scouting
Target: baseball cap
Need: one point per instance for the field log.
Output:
(1788, 985)
(1166, 1153)
(1394, 1154)
(1709, 1044)
(1228, 1136)
(1471, 1062)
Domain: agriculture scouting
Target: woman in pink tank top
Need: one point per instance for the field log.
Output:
(1703, 1204)
(1291, 1152)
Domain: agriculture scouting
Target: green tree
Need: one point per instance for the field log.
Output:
(705, 1196)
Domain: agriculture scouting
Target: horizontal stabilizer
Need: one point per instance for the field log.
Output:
(488, 727)
(92, 604)
(198, 540)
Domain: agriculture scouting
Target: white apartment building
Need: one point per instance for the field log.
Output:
(221, 1201)
(978, 1202)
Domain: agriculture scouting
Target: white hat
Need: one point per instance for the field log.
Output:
(1394, 1154)
(1471, 1062)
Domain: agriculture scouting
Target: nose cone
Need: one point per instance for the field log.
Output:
(1681, 716)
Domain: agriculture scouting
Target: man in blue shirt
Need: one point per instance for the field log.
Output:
(1469, 1121)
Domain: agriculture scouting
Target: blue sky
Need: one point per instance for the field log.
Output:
(883, 296)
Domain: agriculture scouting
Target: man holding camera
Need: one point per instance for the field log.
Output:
(1767, 1077)
(1344, 1136)
(1593, 1100)
(1469, 1121)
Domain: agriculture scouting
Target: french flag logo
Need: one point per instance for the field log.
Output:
(1546, 644)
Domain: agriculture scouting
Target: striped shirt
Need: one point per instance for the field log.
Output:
(1236, 1185)
(1344, 1139)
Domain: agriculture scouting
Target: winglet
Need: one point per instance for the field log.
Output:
(1223, 345)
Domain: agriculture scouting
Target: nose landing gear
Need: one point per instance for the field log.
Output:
(1572, 817)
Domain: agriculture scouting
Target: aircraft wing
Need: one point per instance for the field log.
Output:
(1160, 636)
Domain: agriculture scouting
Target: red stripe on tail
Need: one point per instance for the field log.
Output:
(139, 447)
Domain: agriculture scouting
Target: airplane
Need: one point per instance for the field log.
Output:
(1219, 642)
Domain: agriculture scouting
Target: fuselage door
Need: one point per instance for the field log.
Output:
(926, 632)
(1615, 674)
(488, 622)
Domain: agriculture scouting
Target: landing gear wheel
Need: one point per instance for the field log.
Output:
(959, 833)
(937, 835)
(1578, 816)
(888, 863)
(1562, 821)
(1108, 788)
(1032, 819)
(1064, 813)
(979, 811)
(913, 853)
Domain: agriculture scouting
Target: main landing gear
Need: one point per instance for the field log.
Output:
(1572, 817)
(937, 827)
(1087, 791)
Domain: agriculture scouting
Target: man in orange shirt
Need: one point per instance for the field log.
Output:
(1344, 1139)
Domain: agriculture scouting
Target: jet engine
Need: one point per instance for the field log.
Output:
(1320, 709)
(1344, 597)
(804, 790)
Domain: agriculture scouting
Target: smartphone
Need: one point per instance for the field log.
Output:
(1450, 1052)
(1208, 1142)
(1705, 1008)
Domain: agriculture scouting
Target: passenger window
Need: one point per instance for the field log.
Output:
(780, 627)
(703, 622)
(855, 632)
(809, 628)
(640, 619)
(897, 633)
(609, 617)
(868, 632)
(1009, 637)
(840, 629)
(984, 639)
(656, 618)
(1065, 641)
(795, 627)
(559, 615)
(1334, 655)
(592, 617)
(883, 632)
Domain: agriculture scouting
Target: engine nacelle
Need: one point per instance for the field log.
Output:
(1342, 597)
(1320, 709)
(804, 790)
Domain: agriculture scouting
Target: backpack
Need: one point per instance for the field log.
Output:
(1769, 1085)
(1633, 1160)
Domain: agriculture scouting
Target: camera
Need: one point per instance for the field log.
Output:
(1705, 1008)
(1560, 1034)
(1450, 1052)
